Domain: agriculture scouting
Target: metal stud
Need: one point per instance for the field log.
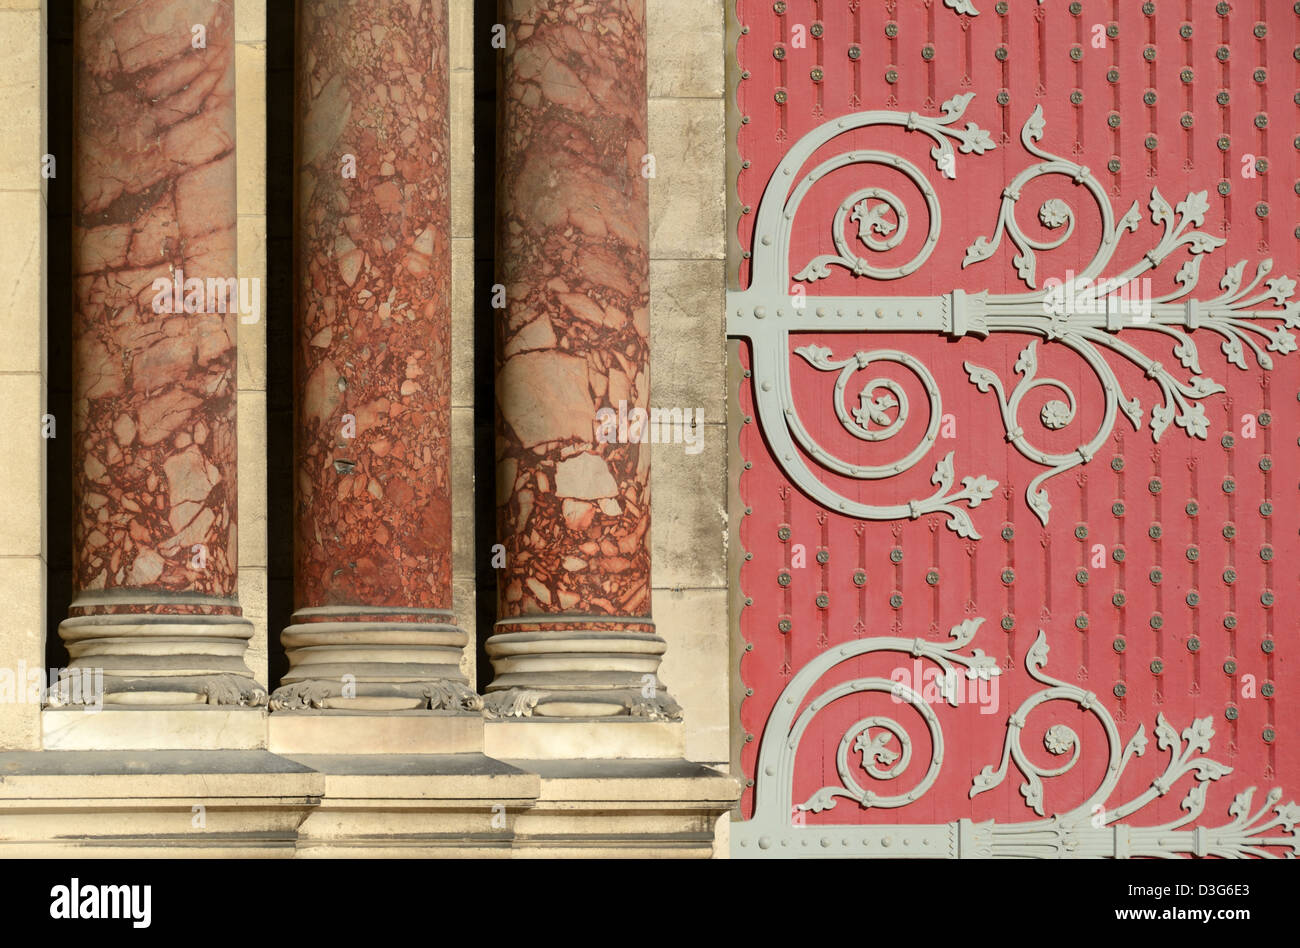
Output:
(1118, 554)
(1186, 120)
(1149, 8)
(1269, 735)
(1229, 576)
(1222, 54)
(859, 578)
(927, 52)
(1193, 599)
(896, 555)
(1008, 623)
(1266, 463)
(783, 533)
(1119, 645)
(1224, 143)
(1267, 646)
(1185, 31)
(1149, 54)
(1230, 622)
(891, 29)
(1222, 8)
(1117, 464)
(1193, 644)
(1230, 667)
(823, 557)
(1157, 666)
(1266, 553)
(1117, 509)
(1223, 97)
(1119, 599)
(1001, 54)
(891, 76)
(1151, 142)
(855, 52)
(1192, 508)
(1076, 53)
(1266, 509)
(780, 96)
(816, 73)
(778, 52)
(1113, 120)
(1193, 554)
(1227, 441)
(1081, 577)
(896, 600)
(1157, 621)
(1261, 30)
(1112, 30)
(1260, 75)
(1268, 689)
(1265, 419)
(1119, 690)
(1261, 165)
(1076, 97)
(932, 577)
(1261, 120)
(785, 625)
(1266, 598)
(784, 579)
(1229, 485)
(1008, 576)
(1081, 532)
(1155, 531)
(1081, 622)
(1154, 485)
(1008, 532)
(1003, 97)
(1186, 75)
(823, 600)
(1149, 97)
(817, 29)
(1230, 712)
(1113, 166)
(1112, 75)
(1075, 8)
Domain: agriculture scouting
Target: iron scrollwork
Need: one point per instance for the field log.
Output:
(1095, 827)
(1084, 312)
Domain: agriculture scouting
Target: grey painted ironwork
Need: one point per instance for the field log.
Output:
(1094, 828)
(1081, 312)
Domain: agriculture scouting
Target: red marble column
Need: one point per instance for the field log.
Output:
(374, 628)
(155, 376)
(576, 637)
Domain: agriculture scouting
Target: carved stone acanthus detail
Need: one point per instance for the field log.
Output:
(524, 703)
(315, 695)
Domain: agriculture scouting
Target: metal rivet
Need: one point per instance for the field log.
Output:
(927, 52)
(1269, 735)
(823, 600)
(1267, 646)
(855, 52)
(896, 601)
(1266, 463)
(896, 555)
(1008, 623)
(1081, 622)
(1230, 667)
(1112, 30)
(1261, 30)
(1076, 53)
(780, 96)
(1193, 599)
(1117, 509)
(1149, 97)
(1154, 485)
(1186, 75)
(1230, 712)
(1076, 97)
(1193, 554)
(1260, 75)
(1229, 485)
(1224, 188)
(1185, 31)
(1266, 553)
(1192, 508)
(1186, 120)
(817, 29)
(778, 52)
(932, 577)
(1081, 532)
(1267, 689)
(1119, 645)
(1227, 441)
(891, 76)
(1113, 166)
(779, 6)
(816, 73)
(1157, 666)
(1119, 599)
(1119, 690)
(1113, 120)
(1224, 143)
(1222, 8)
(785, 625)
(1118, 554)
(1081, 577)
(891, 29)
(749, 646)
(1157, 621)
(1075, 8)
(1222, 54)
(1112, 75)
(1265, 419)
(1003, 97)
(1267, 598)
(1193, 644)
(1155, 531)
(859, 578)
(1117, 464)
(1008, 576)
(1008, 532)
(1149, 54)
(1149, 8)
(1001, 54)
(1229, 622)
(1151, 142)
(1266, 509)
(1222, 97)
(823, 556)
(1229, 576)
(784, 579)
(783, 533)
(1261, 120)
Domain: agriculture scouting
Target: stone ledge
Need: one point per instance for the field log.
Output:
(535, 739)
(357, 733)
(153, 728)
(153, 804)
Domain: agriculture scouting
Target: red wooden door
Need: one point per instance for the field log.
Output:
(1016, 307)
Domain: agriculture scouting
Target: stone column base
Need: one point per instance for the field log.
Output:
(155, 659)
(346, 658)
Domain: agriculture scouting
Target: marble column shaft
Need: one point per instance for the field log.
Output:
(373, 627)
(575, 636)
(154, 264)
